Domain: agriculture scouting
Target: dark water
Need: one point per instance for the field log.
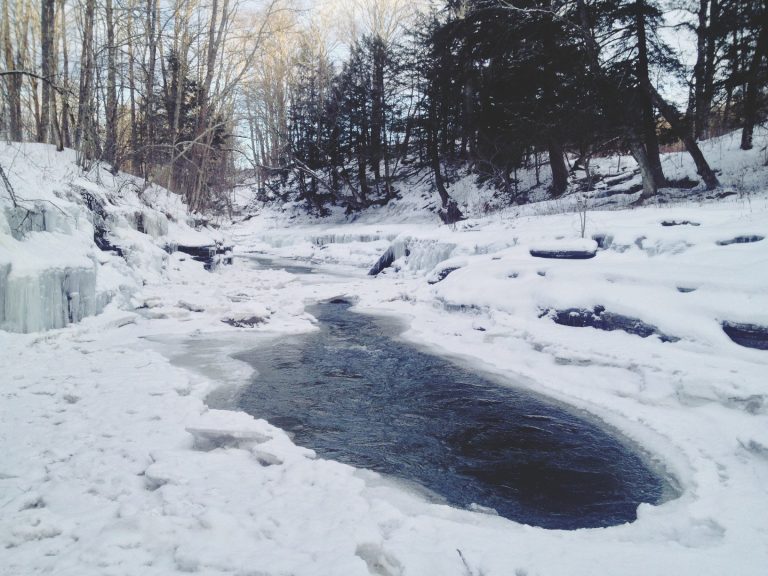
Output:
(354, 394)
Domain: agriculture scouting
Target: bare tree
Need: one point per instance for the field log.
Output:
(110, 141)
(47, 27)
(65, 139)
(85, 134)
(753, 82)
(14, 83)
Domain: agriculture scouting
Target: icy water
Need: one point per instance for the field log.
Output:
(356, 394)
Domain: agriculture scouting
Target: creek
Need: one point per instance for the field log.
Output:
(355, 393)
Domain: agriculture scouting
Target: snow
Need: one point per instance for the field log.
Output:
(117, 458)
(562, 245)
(50, 270)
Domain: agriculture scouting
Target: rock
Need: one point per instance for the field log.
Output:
(746, 239)
(442, 275)
(679, 223)
(396, 250)
(191, 306)
(211, 255)
(451, 213)
(574, 249)
(246, 322)
(747, 335)
(340, 300)
(248, 315)
(602, 320)
(604, 241)
(384, 261)
(564, 254)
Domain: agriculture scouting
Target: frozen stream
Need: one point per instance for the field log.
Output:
(355, 393)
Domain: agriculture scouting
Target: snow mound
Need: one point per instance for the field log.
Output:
(223, 428)
(573, 249)
(247, 314)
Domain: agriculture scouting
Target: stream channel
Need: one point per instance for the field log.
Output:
(356, 393)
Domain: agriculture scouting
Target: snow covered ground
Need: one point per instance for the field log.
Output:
(113, 464)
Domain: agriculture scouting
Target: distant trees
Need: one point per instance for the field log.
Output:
(339, 107)
(497, 87)
(150, 88)
(729, 75)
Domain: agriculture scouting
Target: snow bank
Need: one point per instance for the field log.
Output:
(112, 463)
(75, 241)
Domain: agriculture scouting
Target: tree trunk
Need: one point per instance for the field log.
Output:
(361, 174)
(204, 122)
(132, 93)
(646, 172)
(434, 161)
(377, 107)
(710, 64)
(696, 107)
(558, 167)
(433, 152)
(55, 125)
(468, 144)
(147, 132)
(66, 139)
(47, 26)
(754, 85)
(678, 127)
(181, 44)
(83, 131)
(14, 80)
(650, 137)
(110, 145)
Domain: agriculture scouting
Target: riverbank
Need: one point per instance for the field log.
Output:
(114, 465)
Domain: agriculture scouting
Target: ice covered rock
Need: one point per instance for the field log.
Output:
(747, 335)
(247, 315)
(191, 306)
(575, 249)
(744, 239)
(602, 320)
(149, 222)
(441, 274)
(420, 254)
(604, 241)
(442, 271)
(396, 250)
(211, 255)
(223, 428)
(348, 238)
(679, 223)
(37, 217)
(50, 298)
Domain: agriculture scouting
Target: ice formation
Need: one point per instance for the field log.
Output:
(61, 243)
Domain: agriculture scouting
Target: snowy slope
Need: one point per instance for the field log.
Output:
(51, 271)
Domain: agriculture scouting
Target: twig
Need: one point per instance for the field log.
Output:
(48, 81)
(8, 187)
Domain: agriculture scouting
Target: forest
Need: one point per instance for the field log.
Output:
(340, 104)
